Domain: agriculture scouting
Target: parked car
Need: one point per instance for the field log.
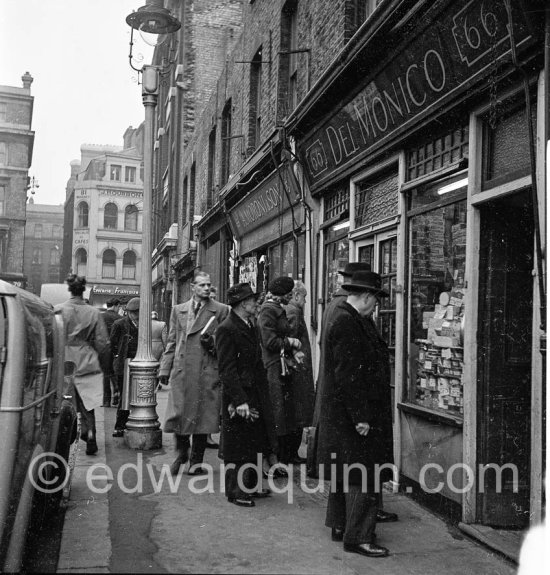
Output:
(37, 418)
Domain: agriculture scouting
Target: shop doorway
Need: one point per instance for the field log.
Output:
(504, 356)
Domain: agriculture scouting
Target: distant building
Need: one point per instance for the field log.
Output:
(105, 202)
(43, 245)
(16, 147)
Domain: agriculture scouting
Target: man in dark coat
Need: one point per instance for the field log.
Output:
(355, 425)
(245, 394)
(110, 315)
(124, 343)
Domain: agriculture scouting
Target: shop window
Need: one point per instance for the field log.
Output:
(388, 271)
(115, 173)
(436, 154)
(506, 150)
(110, 216)
(129, 265)
(81, 260)
(83, 215)
(283, 260)
(108, 264)
(130, 174)
(376, 200)
(38, 231)
(336, 257)
(131, 218)
(437, 255)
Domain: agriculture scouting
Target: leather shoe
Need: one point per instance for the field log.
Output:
(178, 462)
(385, 516)
(118, 433)
(212, 445)
(367, 549)
(261, 494)
(337, 534)
(242, 501)
(91, 446)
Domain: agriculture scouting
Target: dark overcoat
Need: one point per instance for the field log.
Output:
(244, 380)
(303, 387)
(124, 343)
(274, 331)
(194, 399)
(356, 390)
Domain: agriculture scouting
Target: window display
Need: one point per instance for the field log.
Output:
(437, 251)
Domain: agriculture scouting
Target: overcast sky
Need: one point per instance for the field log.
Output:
(84, 90)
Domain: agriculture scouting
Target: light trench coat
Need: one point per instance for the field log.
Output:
(86, 345)
(194, 399)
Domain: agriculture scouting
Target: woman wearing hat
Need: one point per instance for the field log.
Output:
(355, 425)
(275, 331)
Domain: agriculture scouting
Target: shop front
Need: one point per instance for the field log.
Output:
(425, 173)
(268, 225)
(100, 293)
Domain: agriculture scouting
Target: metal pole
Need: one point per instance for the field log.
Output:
(143, 427)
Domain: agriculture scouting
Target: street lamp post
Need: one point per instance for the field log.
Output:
(143, 427)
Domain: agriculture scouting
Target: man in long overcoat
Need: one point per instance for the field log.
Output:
(245, 394)
(110, 315)
(189, 360)
(355, 425)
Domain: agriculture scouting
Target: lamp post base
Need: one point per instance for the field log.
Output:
(144, 439)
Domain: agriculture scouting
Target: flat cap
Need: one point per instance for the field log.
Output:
(133, 304)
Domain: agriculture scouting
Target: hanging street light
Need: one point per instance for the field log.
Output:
(155, 23)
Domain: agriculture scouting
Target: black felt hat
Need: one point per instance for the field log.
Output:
(240, 292)
(352, 267)
(281, 285)
(366, 281)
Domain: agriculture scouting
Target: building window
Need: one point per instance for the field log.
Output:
(130, 174)
(110, 216)
(192, 187)
(131, 218)
(288, 67)
(376, 200)
(3, 112)
(83, 215)
(3, 154)
(437, 256)
(336, 204)
(36, 255)
(2, 200)
(108, 264)
(54, 256)
(226, 143)
(283, 259)
(81, 260)
(38, 231)
(211, 198)
(336, 257)
(255, 111)
(57, 231)
(115, 172)
(129, 265)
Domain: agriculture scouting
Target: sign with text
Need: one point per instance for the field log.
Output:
(446, 56)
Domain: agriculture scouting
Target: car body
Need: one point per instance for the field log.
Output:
(37, 416)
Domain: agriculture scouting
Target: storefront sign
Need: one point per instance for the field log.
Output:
(446, 56)
(121, 193)
(265, 202)
(113, 290)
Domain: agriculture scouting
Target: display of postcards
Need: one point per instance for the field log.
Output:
(423, 382)
(432, 382)
(455, 391)
(446, 363)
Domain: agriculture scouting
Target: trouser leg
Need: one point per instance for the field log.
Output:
(122, 415)
(336, 508)
(181, 451)
(295, 442)
(87, 418)
(361, 511)
(198, 447)
(106, 390)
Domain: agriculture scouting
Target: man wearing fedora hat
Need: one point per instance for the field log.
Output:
(355, 424)
(245, 395)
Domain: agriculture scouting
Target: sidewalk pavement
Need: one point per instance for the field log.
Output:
(185, 532)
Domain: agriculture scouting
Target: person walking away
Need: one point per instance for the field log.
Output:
(303, 386)
(86, 353)
(110, 392)
(124, 343)
(245, 395)
(189, 364)
(355, 417)
(278, 349)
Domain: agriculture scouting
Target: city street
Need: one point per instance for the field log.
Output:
(184, 532)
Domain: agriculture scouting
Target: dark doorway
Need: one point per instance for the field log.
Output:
(504, 355)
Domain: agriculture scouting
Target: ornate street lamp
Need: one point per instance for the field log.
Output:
(143, 427)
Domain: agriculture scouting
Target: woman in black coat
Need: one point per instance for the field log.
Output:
(275, 335)
(245, 395)
(355, 424)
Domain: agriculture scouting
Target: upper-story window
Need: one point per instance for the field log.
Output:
(3, 154)
(131, 218)
(110, 216)
(57, 231)
(129, 265)
(36, 255)
(255, 113)
(54, 256)
(210, 191)
(38, 231)
(81, 260)
(288, 69)
(2, 200)
(226, 143)
(116, 172)
(130, 174)
(108, 264)
(83, 215)
(3, 112)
